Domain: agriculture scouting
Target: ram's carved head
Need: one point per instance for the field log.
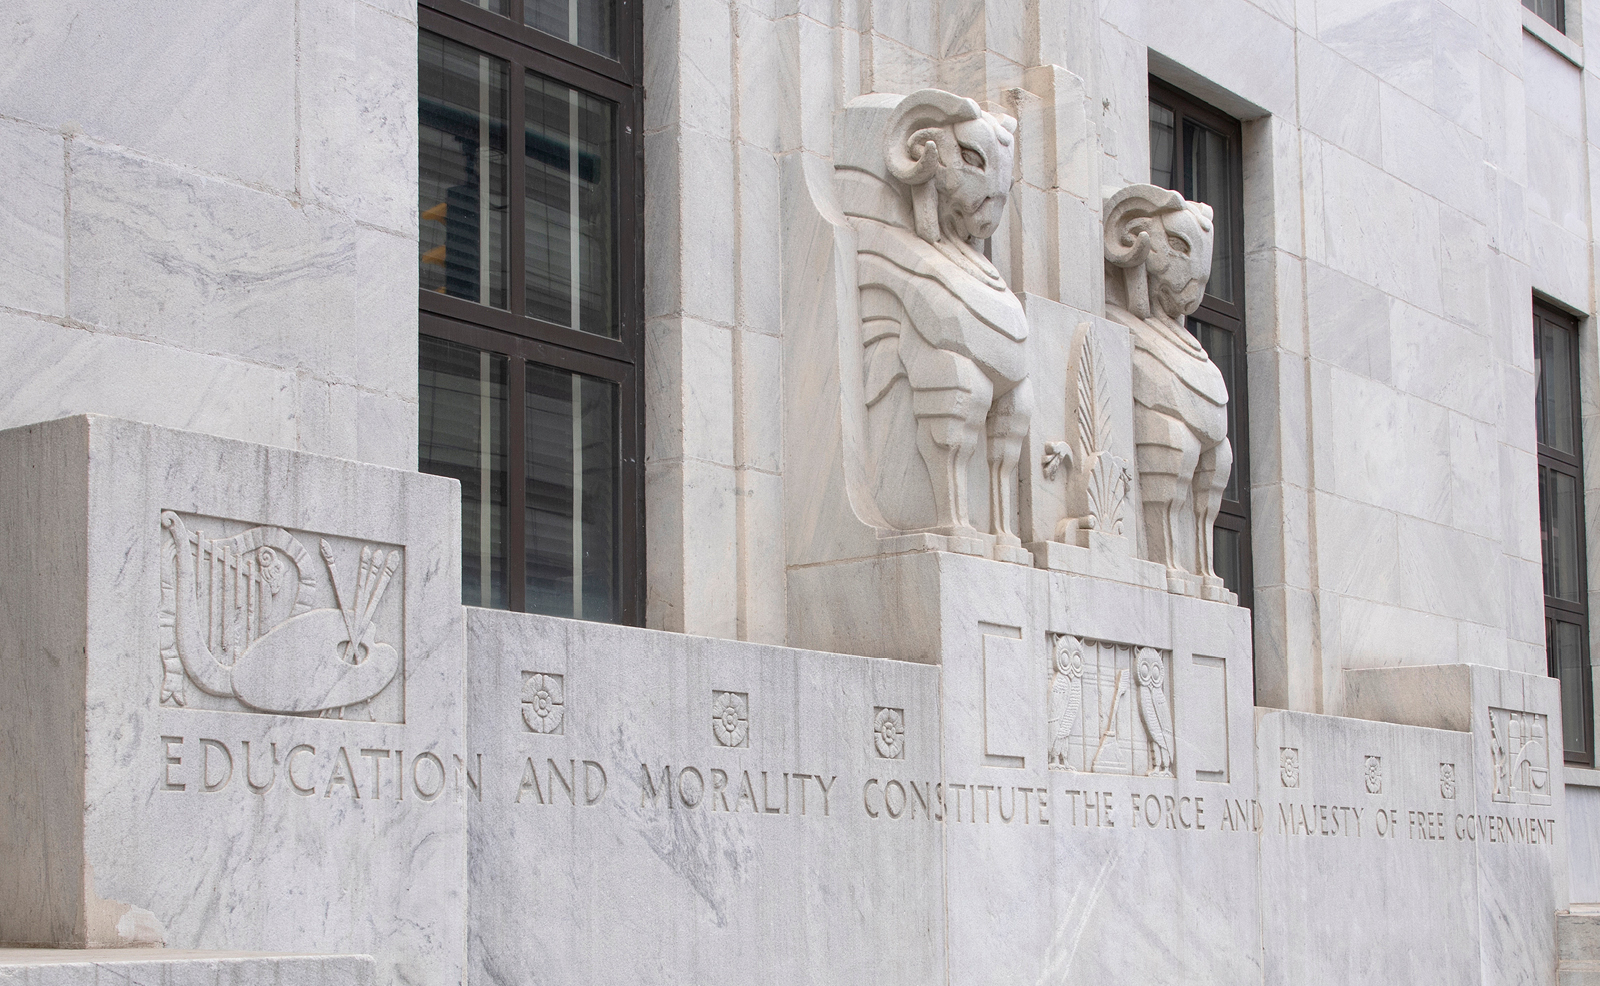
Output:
(958, 160)
(1161, 242)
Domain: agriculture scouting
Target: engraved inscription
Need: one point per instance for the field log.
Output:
(255, 623)
(1110, 710)
(1519, 746)
(543, 703)
(1289, 766)
(730, 718)
(1372, 771)
(889, 732)
(1447, 781)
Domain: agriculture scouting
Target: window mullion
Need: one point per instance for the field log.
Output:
(516, 152)
(517, 461)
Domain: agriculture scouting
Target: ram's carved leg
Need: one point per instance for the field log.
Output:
(1210, 479)
(1167, 453)
(950, 398)
(1008, 424)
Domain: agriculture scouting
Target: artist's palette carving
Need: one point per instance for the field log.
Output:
(255, 623)
(1110, 711)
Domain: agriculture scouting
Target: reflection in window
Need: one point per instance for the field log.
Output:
(463, 436)
(462, 192)
(590, 24)
(571, 503)
(1162, 134)
(1208, 178)
(569, 172)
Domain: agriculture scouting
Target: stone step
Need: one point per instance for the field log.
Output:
(1578, 947)
(179, 967)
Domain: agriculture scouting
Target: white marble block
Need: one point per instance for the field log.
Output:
(230, 702)
(656, 807)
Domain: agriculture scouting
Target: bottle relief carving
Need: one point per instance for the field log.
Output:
(1110, 711)
(1519, 749)
(256, 623)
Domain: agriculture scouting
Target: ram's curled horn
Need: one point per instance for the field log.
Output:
(1126, 246)
(920, 119)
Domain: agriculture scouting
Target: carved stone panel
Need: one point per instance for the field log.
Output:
(1110, 709)
(265, 620)
(1519, 747)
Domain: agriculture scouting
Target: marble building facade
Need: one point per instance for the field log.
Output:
(1085, 492)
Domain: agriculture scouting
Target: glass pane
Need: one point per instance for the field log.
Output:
(590, 24)
(461, 190)
(573, 470)
(571, 266)
(464, 401)
(492, 6)
(1161, 138)
(1225, 556)
(1208, 177)
(1218, 344)
(1555, 356)
(1560, 509)
(1565, 643)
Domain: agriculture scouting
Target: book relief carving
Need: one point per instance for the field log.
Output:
(256, 623)
(1519, 748)
(1110, 711)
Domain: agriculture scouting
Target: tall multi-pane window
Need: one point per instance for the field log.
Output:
(1566, 610)
(531, 296)
(1195, 150)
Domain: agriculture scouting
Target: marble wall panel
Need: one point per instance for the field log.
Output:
(206, 265)
(226, 107)
(762, 858)
(1583, 850)
(1558, 262)
(1447, 571)
(1442, 362)
(1233, 45)
(32, 219)
(689, 394)
(358, 111)
(1358, 549)
(1474, 477)
(1382, 36)
(1275, 301)
(1553, 87)
(1557, 175)
(1410, 473)
(1339, 100)
(1431, 153)
(1348, 323)
(1457, 92)
(1359, 633)
(1354, 820)
(62, 370)
(1505, 116)
(1375, 228)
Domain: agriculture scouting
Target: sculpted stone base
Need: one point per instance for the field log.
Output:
(173, 768)
(78, 966)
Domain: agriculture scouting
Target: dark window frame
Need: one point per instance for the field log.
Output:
(1234, 515)
(524, 339)
(1569, 464)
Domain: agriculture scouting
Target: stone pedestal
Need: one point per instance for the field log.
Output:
(230, 699)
